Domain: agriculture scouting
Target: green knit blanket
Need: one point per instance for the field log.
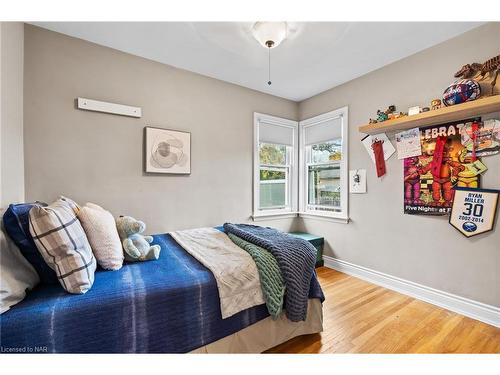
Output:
(273, 287)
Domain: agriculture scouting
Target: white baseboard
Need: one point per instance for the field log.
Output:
(473, 309)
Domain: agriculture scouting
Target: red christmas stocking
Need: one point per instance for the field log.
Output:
(378, 151)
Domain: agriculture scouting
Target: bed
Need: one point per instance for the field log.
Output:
(166, 306)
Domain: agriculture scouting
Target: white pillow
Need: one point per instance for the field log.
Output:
(100, 227)
(16, 274)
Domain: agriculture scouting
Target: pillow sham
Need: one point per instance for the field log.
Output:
(16, 274)
(100, 227)
(60, 239)
(16, 225)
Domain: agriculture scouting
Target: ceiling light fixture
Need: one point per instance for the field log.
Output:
(270, 35)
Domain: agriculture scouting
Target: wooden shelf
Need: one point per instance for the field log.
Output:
(438, 116)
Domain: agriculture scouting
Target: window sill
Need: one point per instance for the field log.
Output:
(317, 216)
(274, 216)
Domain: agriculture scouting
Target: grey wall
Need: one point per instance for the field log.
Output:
(425, 250)
(99, 157)
(11, 112)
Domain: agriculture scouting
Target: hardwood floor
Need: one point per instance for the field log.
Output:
(360, 317)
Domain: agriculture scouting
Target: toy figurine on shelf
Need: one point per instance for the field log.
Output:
(389, 114)
(435, 104)
(390, 109)
(490, 67)
(381, 116)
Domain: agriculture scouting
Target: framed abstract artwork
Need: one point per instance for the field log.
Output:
(167, 151)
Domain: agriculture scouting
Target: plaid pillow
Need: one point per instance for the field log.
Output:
(60, 239)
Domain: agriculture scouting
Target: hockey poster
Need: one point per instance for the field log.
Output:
(429, 191)
(474, 210)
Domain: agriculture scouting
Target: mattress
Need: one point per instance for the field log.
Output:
(166, 306)
(268, 333)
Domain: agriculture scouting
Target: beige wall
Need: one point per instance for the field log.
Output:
(99, 157)
(11, 112)
(425, 250)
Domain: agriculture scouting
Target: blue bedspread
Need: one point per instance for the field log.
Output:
(166, 306)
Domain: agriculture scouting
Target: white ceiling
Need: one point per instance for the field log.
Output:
(316, 56)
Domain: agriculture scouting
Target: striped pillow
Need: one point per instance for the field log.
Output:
(60, 239)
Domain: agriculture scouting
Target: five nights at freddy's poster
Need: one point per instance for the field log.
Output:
(428, 193)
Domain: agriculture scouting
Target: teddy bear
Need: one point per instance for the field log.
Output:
(136, 246)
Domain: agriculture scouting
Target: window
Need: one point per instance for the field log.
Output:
(323, 161)
(318, 183)
(275, 163)
(274, 174)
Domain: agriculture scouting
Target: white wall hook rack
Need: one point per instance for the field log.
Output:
(106, 107)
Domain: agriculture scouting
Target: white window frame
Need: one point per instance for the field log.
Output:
(292, 191)
(343, 214)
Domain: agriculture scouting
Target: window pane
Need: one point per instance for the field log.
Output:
(273, 188)
(272, 154)
(325, 152)
(324, 186)
(267, 174)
